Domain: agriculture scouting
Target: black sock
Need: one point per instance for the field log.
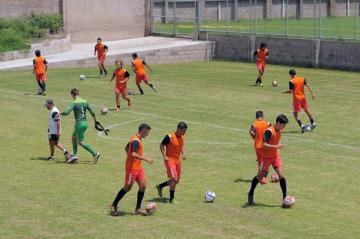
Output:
(257, 81)
(100, 71)
(151, 85)
(283, 187)
(172, 194)
(118, 197)
(44, 86)
(41, 85)
(260, 81)
(299, 122)
(164, 184)
(141, 91)
(311, 120)
(254, 182)
(105, 71)
(140, 197)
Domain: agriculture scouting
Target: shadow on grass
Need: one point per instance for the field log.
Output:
(247, 205)
(40, 158)
(32, 94)
(93, 76)
(56, 161)
(121, 214)
(242, 180)
(292, 132)
(162, 200)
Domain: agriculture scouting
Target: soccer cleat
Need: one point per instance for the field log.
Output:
(141, 212)
(159, 191)
(113, 211)
(263, 181)
(261, 85)
(251, 199)
(96, 158)
(313, 125)
(117, 109)
(153, 88)
(172, 201)
(303, 128)
(43, 93)
(51, 158)
(73, 159)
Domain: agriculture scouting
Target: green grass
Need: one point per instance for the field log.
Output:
(41, 199)
(331, 27)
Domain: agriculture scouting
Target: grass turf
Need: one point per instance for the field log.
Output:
(329, 27)
(42, 199)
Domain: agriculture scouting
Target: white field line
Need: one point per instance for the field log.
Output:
(330, 144)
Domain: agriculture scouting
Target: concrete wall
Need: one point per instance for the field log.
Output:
(15, 8)
(110, 19)
(285, 51)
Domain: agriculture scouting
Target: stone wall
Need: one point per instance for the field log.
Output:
(15, 8)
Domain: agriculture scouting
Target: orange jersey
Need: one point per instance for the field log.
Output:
(261, 56)
(274, 140)
(131, 162)
(174, 148)
(120, 76)
(260, 126)
(298, 83)
(139, 66)
(39, 64)
(100, 48)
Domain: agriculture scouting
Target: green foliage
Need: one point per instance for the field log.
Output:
(16, 33)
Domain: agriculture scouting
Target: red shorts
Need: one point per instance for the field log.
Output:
(40, 77)
(258, 154)
(260, 67)
(101, 59)
(119, 90)
(141, 77)
(300, 104)
(173, 170)
(134, 175)
(267, 161)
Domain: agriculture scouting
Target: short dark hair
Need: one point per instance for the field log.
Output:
(182, 125)
(282, 119)
(262, 44)
(37, 53)
(292, 72)
(74, 91)
(98, 39)
(144, 126)
(134, 55)
(259, 114)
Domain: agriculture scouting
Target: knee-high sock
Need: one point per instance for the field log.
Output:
(140, 197)
(118, 197)
(75, 147)
(283, 187)
(88, 148)
(254, 183)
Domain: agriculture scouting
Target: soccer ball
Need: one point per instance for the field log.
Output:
(274, 178)
(104, 110)
(274, 83)
(308, 128)
(289, 201)
(210, 196)
(82, 77)
(151, 207)
(131, 92)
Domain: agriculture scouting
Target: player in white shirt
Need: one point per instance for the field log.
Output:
(54, 129)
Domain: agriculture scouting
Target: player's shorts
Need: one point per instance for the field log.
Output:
(54, 137)
(300, 104)
(119, 90)
(134, 175)
(101, 59)
(258, 154)
(173, 170)
(260, 67)
(267, 161)
(141, 77)
(40, 77)
(79, 130)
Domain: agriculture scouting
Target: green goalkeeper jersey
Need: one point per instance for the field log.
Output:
(79, 106)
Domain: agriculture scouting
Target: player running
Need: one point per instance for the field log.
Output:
(257, 131)
(122, 76)
(296, 87)
(80, 106)
(172, 149)
(40, 68)
(138, 66)
(54, 129)
(261, 54)
(134, 170)
(101, 50)
(271, 156)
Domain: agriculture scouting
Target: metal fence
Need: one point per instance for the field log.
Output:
(325, 19)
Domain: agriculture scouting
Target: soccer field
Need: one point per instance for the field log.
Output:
(51, 199)
(329, 27)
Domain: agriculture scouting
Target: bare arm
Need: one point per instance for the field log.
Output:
(312, 93)
(125, 80)
(95, 51)
(112, 78)
(34, 64)
(163, 151)
(133, 67)
(277, 146)
(148, 160)
(147, 66)
(252, 131)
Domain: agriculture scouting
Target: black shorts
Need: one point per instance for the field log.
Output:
(54, 137)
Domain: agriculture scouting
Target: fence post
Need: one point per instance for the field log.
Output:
(174, 17)
(198, 15)
(320, 21)
(356, 19)
(227, 16)
(314, 18)
(255, 20)
(286, 19)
